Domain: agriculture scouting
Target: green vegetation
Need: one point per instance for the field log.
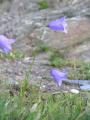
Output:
(43, 4)
(57, 59)
(29, 102)
(32, 104)
(12, 56)
(78, 69)
(42, 48)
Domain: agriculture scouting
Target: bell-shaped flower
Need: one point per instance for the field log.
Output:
(58, 76)
(6, 44)
(59, 25)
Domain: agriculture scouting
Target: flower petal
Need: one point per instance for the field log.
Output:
(5, 44)
(11, 41)
(57, 28)
(7, 49)
(57, 22)
(59, 25)
(58, 76)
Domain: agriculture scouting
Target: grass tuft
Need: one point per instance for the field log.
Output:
(43, 5)
(77, 69)
(45, 106)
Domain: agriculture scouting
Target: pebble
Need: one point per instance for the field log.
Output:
(34, 107)
(27, 59)
(75, 91)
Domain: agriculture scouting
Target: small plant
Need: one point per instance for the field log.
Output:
(45, 106)
(81, 71)
(43, 5)
(12, 56)
(57, 59)
(78, 69)
(43, 48)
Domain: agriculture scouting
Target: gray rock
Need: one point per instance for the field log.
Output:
(77, 82)
(85, 87)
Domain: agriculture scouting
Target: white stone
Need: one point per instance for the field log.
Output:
(74, 91)
(34, 107)
(27, 59)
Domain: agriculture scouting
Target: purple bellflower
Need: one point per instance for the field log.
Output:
(61, 76)
(58, 76)
(59, 25)
(5, 44)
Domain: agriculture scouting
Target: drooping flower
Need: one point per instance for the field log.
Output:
(59, 25)
(5, 44)
(58, 76)
(61, 76)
